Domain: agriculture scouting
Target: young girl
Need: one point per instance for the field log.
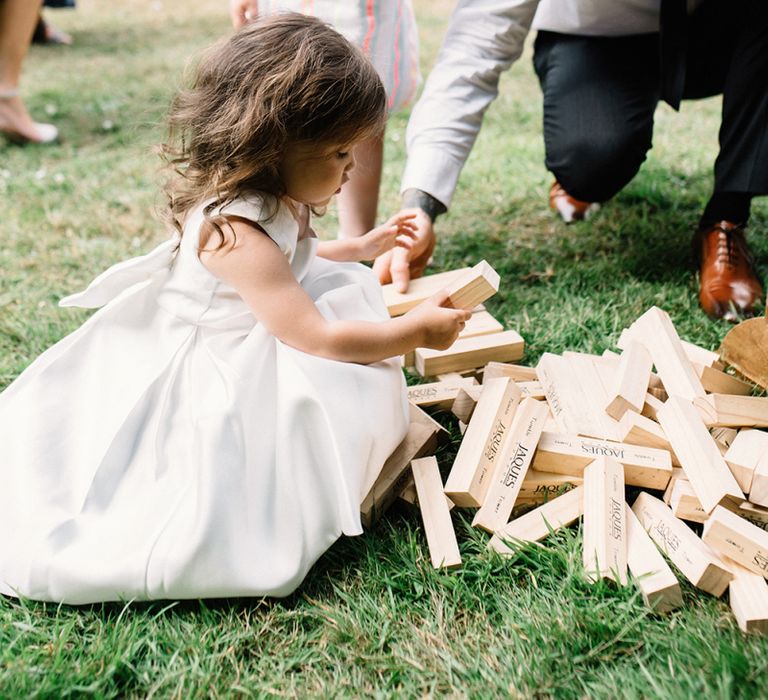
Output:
(386, 32)
(212, 429)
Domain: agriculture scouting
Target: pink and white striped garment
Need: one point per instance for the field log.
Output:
(384, 29)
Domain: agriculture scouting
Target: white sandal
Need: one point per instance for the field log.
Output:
(47, 133)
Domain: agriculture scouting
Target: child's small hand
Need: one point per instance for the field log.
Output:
(399, 230)
(440, 325)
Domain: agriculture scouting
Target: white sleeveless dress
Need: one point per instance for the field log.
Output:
(172, 448)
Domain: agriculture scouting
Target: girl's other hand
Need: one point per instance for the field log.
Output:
(441, 326)
(399, 230)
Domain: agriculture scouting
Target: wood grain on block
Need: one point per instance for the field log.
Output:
(685, 503)
(520, 373)
(419, 290)
(538, 523)
(758, 494)
(737, 539)
(698, 454)
(605, 521)
(697, 561)
(512, 465)
(443, 548)
(748, 597)
(636, 429)
(480, 283)
(532, 390)
(569, 454)
(715, 381)
(748, 449)
(438, 394)
(724, 437)
(733, 411)
(420, 440)
(468, 353)
(590, 394)
(654, 329)
(465, 402)
(538, 487)
(630, 381)
(657, 583)
(481, 323)
(651, 406)
(482, 443)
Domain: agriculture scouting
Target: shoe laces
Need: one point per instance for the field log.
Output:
(731, 246)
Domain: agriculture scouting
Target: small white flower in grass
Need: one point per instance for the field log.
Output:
(51, 110)
(136, 242)
(40, 174)
(58, 178)
(107, 125)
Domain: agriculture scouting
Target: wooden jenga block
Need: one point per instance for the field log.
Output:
(590, 394)
(563, 395)
(605, 521)
(685, 504)
(724, 437)
(656, 581)
(733, 411)
(465, 402)
(481, 323)
(438, 394)
(538, 487)
(419, 290)
(468, 353)
(569, 454)
(409, 496)
(512, 465)
(474, 287)
(654, 329)
(532, 390)
(677, 473)
(757, 515)
(468, 481)
(748, 597)
(630, 383)
(420, 440)
(748, 449)
(698, 562)
(737, 539)
(716, 381)
(651, 406)
(636, 429)
(538, 523)
(758, 494)
(698, 454)
(443, 548)
(519, 373)
(701, 356)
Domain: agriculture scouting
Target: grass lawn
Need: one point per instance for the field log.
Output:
(373, 617)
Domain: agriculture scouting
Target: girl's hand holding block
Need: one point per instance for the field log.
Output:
(399, 230)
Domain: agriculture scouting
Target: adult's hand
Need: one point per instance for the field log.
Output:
(400, 265)
(242, 11)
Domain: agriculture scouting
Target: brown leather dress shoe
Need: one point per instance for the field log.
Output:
(570, 209)
(729, 285)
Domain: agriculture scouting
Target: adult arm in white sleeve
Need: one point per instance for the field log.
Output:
(484, 38)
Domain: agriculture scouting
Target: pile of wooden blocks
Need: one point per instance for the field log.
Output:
(545, 446)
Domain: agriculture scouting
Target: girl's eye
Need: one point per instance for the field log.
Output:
(341, 155)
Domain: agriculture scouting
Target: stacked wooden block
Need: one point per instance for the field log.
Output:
(548, 445)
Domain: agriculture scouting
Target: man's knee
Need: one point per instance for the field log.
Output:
(594, 167)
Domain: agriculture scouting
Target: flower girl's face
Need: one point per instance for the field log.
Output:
(312, 174)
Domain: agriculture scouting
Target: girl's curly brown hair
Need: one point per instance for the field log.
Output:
(282, 79)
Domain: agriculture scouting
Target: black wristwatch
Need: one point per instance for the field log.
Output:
(426, 202)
